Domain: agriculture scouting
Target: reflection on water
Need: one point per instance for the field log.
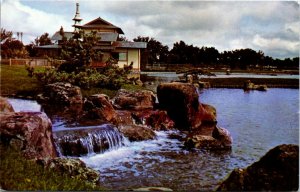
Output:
(258, 121)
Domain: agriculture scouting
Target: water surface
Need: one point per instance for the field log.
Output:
(258, 121)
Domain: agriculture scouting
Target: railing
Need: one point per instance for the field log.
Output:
(166, 67)
(31, 62)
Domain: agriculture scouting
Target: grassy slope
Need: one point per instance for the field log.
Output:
(15, 81)
(17, 174)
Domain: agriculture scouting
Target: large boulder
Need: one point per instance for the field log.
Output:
(156, 119)
(218, 139)
(124, 117)
(136, 100)
(75, 168)
(98, 107)
(181, 101)
(61, 93)
(5, 106)
(30, 132)
(137, 132)
(278, 170)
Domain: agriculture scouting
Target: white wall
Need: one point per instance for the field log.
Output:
(133, 55)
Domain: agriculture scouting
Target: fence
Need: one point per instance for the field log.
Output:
(166, 67)
(31, 62)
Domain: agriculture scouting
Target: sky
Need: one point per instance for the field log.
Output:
(270, 26)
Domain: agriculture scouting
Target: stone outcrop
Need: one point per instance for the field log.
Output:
(181, 101)
(75, 168)
(61, 93)
(29, 132)
(156, 119)
(98, 107)
(278, 170)
(136, 100)
(124, 117)
(5, 106)
(137, 132)
(218, 139)
(248, 85)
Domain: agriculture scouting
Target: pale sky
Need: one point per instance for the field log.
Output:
(270, 26)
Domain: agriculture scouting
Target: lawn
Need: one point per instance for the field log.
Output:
(15, 81)
(18, 174)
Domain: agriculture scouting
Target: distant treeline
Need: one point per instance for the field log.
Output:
(182, 53)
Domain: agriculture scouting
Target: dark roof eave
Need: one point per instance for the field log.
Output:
(55, 46)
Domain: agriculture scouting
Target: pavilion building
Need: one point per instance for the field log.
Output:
(109, 44)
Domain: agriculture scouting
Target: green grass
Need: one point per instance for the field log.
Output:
(18, 174)
(15, 81)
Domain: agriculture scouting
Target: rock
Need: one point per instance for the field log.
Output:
(137, 132)
(139, 82)
(218, 139)
(278, 170)
(204, 85)
(156, 119)
(223, 136)
(181, 101)
(189, 78)
(30, 132)
(248, 85)
(153, 189)
(124, 117)
(75, 168)
(137, 100)
(5, 106)
(99, 107)
(62, 93)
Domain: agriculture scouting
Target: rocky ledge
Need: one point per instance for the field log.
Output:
(181, 101)
(29, 132)
(75, 168)
(278, 170)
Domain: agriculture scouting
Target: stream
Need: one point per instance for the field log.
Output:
(257, 121)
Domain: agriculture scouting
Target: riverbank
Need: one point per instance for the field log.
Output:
(19, 174)
(239, 82)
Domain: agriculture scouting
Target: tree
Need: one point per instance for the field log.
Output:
(156, 52)
(43, 40)
(10, 47)
(5, 35)
(80, 52)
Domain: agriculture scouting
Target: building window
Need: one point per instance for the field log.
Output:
(123, 56)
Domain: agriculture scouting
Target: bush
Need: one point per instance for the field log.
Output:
(111, 76)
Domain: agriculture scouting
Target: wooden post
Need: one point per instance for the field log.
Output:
(9, 61)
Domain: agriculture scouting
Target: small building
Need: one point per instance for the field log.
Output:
(109, 44)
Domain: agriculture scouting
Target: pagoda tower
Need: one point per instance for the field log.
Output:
(77, 19)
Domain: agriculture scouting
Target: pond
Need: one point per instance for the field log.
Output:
(258, 121)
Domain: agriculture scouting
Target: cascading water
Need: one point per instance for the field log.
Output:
(82, 141)
(258, 121)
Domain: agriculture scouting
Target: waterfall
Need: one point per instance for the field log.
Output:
(82, 141)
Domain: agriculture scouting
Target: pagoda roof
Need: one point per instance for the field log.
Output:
(57, 36)
(100, 23)
(104, 37)
(126, 44)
